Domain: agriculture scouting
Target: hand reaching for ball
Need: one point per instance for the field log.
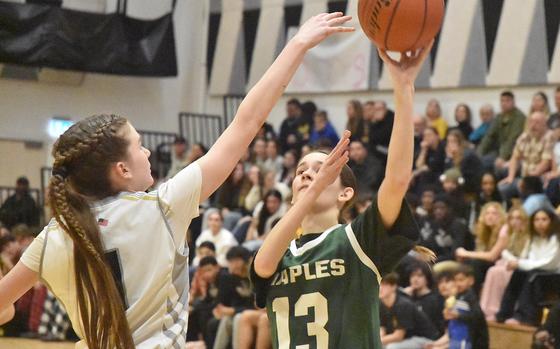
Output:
(318, 28)
(404, 71)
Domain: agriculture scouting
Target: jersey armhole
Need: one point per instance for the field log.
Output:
(362, 256)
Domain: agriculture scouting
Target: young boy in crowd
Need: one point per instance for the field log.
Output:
(467, 327)
(420, 292)
(448, 290)
(402, 324)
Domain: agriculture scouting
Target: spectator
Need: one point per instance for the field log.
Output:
(266, 212)
(431, 160)
(179, 158)
(554, 119)
(222, 238)
(9, 253)
(205, 249)
(467, 326)
(421, 294)
(305, 123)
(289, 167)
(380, 131)
(516, 233)
(420, 125)
(531, 190)
(541, 253)
(497, 144)
(452, 182)
(231, 196)
(261, 185)
(532, 152)
(444, 233)
(426, 208)
(402, 324)
(196, 152)
(463, 117)
(369, 118)
(459, 155)
(540, 103)
(486, 115)
(367, 174)
(489, 242)
(290, 138)
(324, 133)
(24, 236)
(355, 120)
(267, 132)
(20, 207)
(448, 290)
(274, 161)
(435, 119)
(234, 296)
(488, 192)
(258, 152)
(203, 298)
(548, 335)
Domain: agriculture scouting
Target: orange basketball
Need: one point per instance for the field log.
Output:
(400, 25)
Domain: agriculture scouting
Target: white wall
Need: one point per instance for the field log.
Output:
(150, 103)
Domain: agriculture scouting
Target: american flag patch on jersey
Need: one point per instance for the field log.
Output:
(102, 222)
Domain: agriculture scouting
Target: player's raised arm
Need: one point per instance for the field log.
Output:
(401, 147)
(218, 163)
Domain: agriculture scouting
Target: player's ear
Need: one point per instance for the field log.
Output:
(120, 171)
(346, 195)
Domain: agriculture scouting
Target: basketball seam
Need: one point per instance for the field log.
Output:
(391, 24)
(423, 24)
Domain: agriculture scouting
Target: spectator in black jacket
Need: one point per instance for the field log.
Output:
(20, 207)
(444, 233)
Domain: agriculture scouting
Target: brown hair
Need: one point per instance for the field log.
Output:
(353, 125)
(82, 159)
(462, 146)
(518, 238)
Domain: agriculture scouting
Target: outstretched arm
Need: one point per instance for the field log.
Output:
(218, 163)
(18, 281)
(278, 239)
(401, 147)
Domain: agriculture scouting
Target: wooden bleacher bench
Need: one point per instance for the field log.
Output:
(19, 343)
(504, 336)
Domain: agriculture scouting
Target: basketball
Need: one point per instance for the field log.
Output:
(400, 25)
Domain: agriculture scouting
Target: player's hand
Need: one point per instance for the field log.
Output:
(405, 71)
(331, 167)
(318, 28)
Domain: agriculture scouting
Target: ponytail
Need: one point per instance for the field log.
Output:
(86, 146)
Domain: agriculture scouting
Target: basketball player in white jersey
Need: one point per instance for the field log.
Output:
(114, 255)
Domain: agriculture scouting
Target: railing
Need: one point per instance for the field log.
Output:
(160, 146)
(231, 104)
(200, 128)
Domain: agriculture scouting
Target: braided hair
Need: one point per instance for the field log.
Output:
(82, 159)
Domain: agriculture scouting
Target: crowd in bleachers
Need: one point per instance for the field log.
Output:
(486, 200)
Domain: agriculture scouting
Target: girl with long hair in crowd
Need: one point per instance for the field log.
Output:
(540, 253)
(515, 233)
(489, 242)
(116, 256)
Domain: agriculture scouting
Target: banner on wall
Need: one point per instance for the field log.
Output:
(339, 64)
(50, 36)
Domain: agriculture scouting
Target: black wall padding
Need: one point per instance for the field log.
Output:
(49, 36)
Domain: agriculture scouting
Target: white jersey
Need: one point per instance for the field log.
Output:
(144, 235)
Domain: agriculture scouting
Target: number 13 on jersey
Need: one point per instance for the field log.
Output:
(316, 328)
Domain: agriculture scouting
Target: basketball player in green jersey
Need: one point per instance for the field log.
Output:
(322, 290)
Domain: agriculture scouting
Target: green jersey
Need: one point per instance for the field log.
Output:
(325, 292)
